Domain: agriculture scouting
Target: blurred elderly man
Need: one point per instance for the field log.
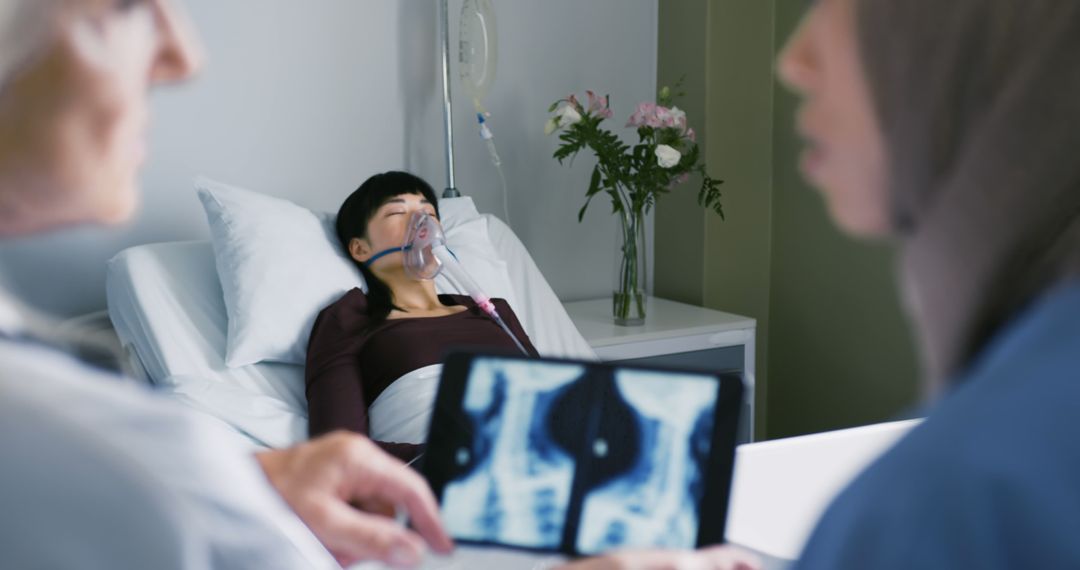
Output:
(98, 473)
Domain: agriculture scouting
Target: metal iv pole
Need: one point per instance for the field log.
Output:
(451, 190)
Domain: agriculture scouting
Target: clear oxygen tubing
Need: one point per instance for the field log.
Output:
(454, 270)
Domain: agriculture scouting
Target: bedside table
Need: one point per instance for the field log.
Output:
(675, 335)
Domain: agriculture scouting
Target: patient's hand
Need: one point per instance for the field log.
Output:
(322, 478)
(714, 558)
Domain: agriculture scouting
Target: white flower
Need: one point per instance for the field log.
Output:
(568, 115)
(551, 126)
(678, 117)
(667, 156)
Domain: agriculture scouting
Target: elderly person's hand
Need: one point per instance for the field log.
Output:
(346, 490)
(713, 558)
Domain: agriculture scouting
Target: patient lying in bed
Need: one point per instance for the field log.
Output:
(379, 352)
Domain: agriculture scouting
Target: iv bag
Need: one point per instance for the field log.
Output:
(478, 48)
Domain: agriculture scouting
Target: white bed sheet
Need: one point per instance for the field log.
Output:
(166, 304)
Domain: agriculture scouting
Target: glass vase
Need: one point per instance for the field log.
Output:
(628, 298)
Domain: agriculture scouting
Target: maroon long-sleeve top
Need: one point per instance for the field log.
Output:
(350, 362)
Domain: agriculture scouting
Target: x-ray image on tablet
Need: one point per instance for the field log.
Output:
(581, 458)
(654, 498)
(518, 481)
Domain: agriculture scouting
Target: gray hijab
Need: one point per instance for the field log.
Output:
(979, 101)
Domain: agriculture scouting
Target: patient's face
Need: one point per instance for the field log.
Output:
(387, 227)
(73, 119)
(845, 154)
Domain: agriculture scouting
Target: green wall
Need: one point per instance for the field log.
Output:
(833, 346)
(702, 259)
(679, 248)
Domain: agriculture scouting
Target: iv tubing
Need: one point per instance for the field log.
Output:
(489, 140)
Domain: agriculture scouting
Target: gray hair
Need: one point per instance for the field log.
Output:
(24, 28)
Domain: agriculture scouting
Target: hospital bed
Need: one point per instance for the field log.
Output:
(166, 303)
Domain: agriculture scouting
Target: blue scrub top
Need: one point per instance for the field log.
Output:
(991, 479)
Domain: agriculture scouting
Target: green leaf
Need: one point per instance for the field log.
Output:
(594, 183)
(581, 213)
(709, 195)
(616, 204)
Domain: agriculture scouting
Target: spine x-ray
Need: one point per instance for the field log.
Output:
(576, 458)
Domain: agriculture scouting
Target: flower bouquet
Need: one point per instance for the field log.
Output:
(633, 176)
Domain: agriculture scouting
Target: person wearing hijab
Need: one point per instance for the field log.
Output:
(96, 472)
(953, 128)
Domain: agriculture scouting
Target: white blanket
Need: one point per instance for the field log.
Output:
(402, 413)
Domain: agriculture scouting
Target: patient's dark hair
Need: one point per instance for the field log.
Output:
(352, 222)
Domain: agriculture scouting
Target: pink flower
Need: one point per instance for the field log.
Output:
(650, 114)
(690, 134)
(664, 117)
(653, 120)
(598, 105)
(673, 118)
(595, 103)
(643, 115)
(573, 101)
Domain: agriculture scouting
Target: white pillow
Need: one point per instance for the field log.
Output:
(280, 264)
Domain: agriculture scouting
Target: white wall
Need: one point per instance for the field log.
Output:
(304, 100)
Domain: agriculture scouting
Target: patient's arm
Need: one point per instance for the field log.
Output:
(336, 401)
(335, 392)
